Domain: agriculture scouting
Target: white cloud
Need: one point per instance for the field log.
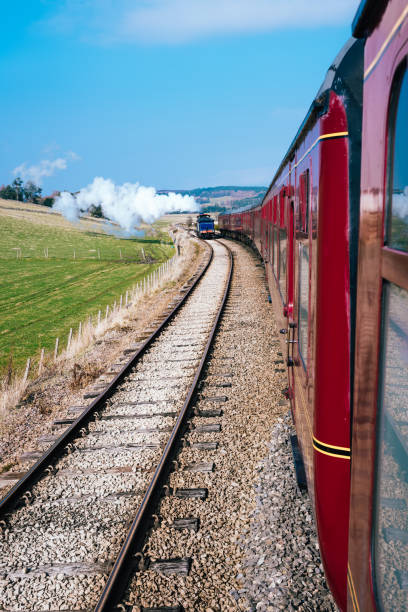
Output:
(175, 21)
(181, 21)
(44, 168)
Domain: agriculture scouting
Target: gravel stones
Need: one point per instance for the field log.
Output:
(281, 568)
(244, 555)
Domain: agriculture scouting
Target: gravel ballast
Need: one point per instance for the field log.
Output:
(255, 547)
(282, 568)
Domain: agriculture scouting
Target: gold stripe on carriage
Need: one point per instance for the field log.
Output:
(341, 452)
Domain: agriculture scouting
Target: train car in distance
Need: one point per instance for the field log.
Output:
(205, 226)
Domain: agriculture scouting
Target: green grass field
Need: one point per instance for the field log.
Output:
(41, 296)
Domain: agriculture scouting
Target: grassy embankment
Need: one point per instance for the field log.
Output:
(62, 274)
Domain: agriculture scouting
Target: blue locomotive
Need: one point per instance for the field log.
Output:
(205, 226)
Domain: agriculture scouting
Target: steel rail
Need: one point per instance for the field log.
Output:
(126, 563)
(45, 463)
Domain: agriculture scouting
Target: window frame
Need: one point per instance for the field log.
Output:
(400, 73)
(394, 270)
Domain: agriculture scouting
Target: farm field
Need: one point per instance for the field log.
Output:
(55, 274)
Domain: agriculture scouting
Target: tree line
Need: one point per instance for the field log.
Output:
(30, 192)
(24, 192)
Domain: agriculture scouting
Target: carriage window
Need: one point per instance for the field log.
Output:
(282, 262)
(391, 508)
(304, 202)
(303, 301)
(397, 216)
(275, 252)
(282, 207)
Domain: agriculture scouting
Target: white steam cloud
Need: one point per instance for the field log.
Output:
(44, 168)
(128, 205)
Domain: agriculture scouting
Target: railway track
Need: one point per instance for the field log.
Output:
(74, 525)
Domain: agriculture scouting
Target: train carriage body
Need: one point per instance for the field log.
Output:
(378, 544)
(333, 233)
(304, 231)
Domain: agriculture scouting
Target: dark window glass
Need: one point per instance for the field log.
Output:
(282, 262)
(397, 216)
(391, 507)
(303, 301)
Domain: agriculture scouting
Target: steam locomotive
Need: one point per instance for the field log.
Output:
(333, 233)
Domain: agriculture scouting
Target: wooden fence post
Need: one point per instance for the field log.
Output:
(27, 370)
(126, 298)
(69, 338)
(99, 317)
(107, 312)
(80, 330)
(56, 348)
(40, 365)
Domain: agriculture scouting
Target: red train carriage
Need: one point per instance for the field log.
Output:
(347, 341)
(378, 544)
(305, 230)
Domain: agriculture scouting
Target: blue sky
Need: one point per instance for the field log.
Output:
(168, 93)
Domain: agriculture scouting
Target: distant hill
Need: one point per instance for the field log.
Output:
(220, 199)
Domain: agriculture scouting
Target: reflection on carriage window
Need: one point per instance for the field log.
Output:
(397, 237)
(391, 515)
(303, 300)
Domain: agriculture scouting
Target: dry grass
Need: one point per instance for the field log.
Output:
(11, 393)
